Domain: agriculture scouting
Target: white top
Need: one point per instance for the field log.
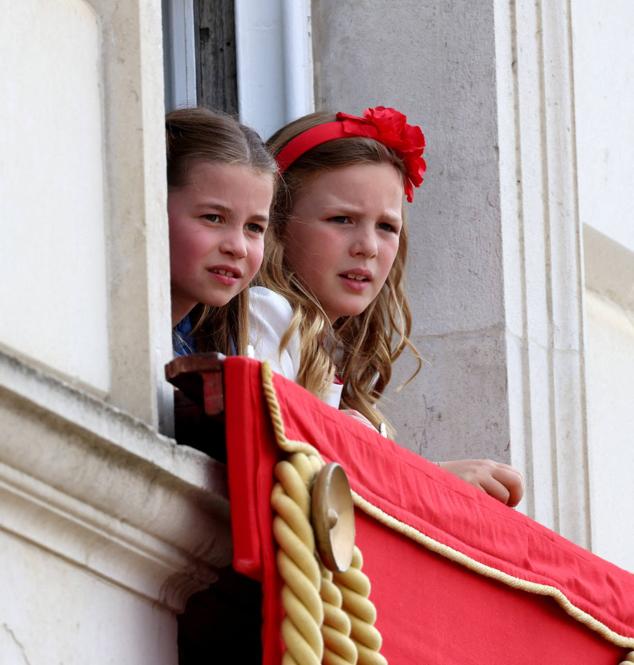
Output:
(270, 315)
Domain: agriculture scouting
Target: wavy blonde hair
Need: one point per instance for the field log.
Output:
(199, 134)
(359, 349)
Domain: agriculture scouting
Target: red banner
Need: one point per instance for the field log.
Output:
(457, 577)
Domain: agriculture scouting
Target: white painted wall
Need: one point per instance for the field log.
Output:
(610, 372)
(84, 284)
(604, 107)
(52, 211)
(55, 612)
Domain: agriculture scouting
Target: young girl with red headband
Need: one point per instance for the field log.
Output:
(332, 312)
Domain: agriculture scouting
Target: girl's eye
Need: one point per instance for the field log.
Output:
(339, 219)
(254, 227)
(213, 218)
(389, 227)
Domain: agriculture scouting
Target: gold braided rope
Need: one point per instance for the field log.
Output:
(339, 649)
(328, 618)
(355, 589)
(304, 615)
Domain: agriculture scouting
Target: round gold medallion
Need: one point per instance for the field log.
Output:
(333, 517)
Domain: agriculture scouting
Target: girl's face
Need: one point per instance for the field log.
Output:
(343, 235)
(216, 228)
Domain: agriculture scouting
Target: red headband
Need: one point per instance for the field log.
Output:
(385, 125)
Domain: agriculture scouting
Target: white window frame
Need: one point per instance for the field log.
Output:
(179, 53)
(274, 62)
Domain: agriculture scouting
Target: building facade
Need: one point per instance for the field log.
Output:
(521, 276)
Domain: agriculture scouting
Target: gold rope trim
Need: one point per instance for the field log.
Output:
(299, 570)
(354, 586)
(493, 573)
(276, 417)
(328, 619)
(339, 649)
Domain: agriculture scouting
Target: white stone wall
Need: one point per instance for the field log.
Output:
(106, 528)
(63, 615)
(610, 369)
(543, 276)
(604, 107)
(484, 302)
(52, 199)
(85, 280)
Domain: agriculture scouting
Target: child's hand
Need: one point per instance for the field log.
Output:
(498, 480)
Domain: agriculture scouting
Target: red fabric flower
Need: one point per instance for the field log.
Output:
(389, 126)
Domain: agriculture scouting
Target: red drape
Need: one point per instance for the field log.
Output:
(430, 609)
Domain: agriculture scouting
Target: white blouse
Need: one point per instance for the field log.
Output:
(270, 315)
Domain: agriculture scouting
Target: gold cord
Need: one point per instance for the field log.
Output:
(328, 619)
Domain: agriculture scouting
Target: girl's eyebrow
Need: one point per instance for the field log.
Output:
(215, 205)
(227, 211)
(260, 218)
(332, 208)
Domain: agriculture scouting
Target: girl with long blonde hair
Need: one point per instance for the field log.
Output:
(331, 311)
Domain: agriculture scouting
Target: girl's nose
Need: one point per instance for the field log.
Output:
(364, 244)
(234, 243)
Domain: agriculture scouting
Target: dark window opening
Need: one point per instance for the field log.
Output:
(216, 73)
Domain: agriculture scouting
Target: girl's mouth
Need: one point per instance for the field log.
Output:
(225, 275)
(355, 276)
(356, 280)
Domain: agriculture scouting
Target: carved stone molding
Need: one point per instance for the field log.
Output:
(102, 490)
(543, 271)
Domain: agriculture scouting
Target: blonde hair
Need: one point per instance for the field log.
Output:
(199, 134)
(360, 349)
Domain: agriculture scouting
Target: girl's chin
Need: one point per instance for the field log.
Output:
(345, 312)
(217, 303)
(221, 297)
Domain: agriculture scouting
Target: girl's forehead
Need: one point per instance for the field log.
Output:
(351, 170)
(201, 168)
(235, 187)
(381, 181)
(206, 178)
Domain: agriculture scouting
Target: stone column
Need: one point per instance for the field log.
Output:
(541, 243)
